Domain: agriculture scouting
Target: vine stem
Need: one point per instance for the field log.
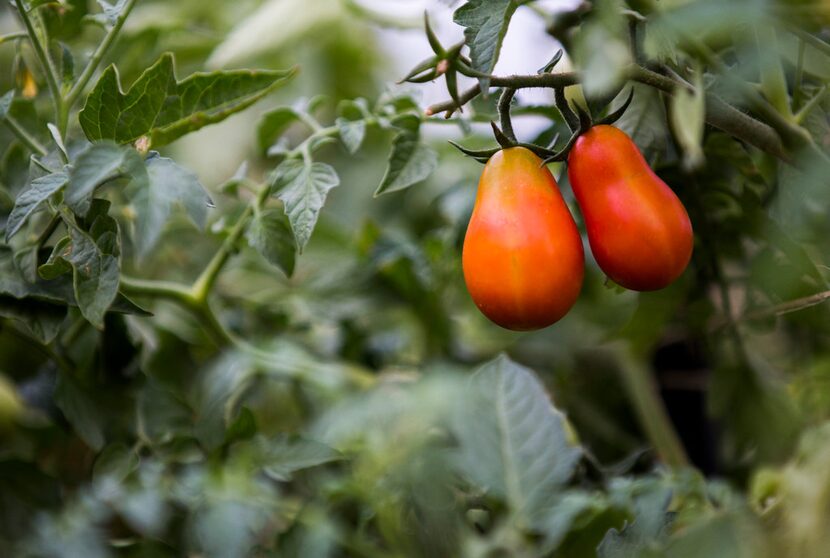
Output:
(97, 57)
(719, 113)
(43, 58)
(25, 137)
(651, 411)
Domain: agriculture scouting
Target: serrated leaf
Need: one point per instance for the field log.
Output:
(38, 191)
(410, 161)
(485, 23)
(270, 234)
(351, 133)
(97, 164)
(95, 276)
(303, 188)
(273, 124)
(164, 109)
(514, 443)
(168, 185)
(58, 291)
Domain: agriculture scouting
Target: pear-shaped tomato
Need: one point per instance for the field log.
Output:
(523, 258)
(639, 231)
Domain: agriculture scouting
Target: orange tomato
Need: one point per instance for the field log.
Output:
(523, 258)
(639, 231)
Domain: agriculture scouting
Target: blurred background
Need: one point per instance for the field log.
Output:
(379, 292)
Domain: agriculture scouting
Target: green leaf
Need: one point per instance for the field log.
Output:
(687, 112)
(59, 291)
(303, 189)
(38, 191)
(284, 455)
(410, 161)
(645, 122)
(42, 319)
(159, 106)
(514, 442)
(168, 185)
(485, 23)
(57, 263)
(351, 133)
(96, 274)
(270, 234)
(273, 124)
(97, 164)
(601, 49)
(650, 500)
(81, 410)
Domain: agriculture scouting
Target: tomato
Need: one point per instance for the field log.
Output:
(523, 258)
(639, 231)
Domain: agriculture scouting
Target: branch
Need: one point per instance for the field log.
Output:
(719, 114)
(42, 57)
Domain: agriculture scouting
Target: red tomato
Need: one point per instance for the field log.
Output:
(523, 259)
(639, 231)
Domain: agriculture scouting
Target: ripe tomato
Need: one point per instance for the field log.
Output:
(639, 231)
(523, 259)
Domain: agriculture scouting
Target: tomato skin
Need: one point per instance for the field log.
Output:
(523, 259)
(638, 229)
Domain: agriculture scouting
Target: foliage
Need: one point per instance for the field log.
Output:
(283, 361)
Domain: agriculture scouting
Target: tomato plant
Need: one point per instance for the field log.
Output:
(245, 281)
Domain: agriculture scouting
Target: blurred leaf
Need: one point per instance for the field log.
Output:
(687, 112)
(351, 133)
(227, 528)
(42, 319)
(273, 124)
(270, 234)
(645, 122)
(38, 191)
(601, 49)
(303, 187)
(165, 109)
(5, 104)
(168, 185)
(410, 161)
(97, 164)
(485, 23)
(641, 537)
(513, 441)
(81, 410)
(285, 455)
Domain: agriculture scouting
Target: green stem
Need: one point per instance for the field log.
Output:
(799, 74)
(98, 56)
(718, 113)
(651, 411)
(13, 36)
(810, 105)
(27, 139)
(203, 285)
(43, 58)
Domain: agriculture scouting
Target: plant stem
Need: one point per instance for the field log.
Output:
(651, 411)
(13, 36)
(97, 56)
(718, 113)
(27, 139)
(203, 285)
(43, 58)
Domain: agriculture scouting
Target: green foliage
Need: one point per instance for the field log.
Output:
(164, 391)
